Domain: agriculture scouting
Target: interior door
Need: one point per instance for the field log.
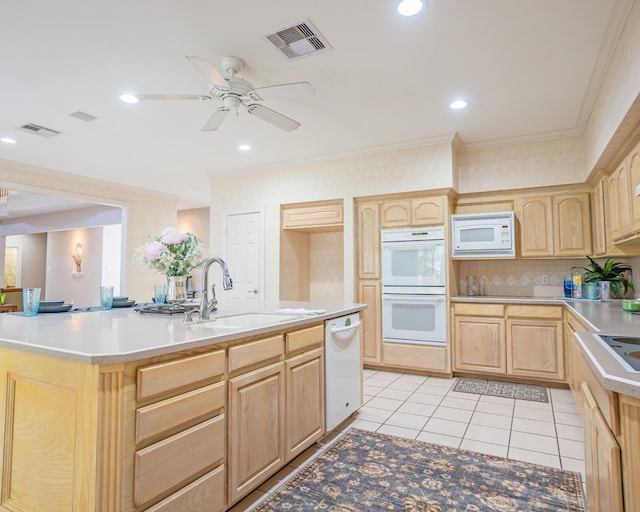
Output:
(244, 258)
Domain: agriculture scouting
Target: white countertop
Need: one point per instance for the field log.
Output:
(122, 335)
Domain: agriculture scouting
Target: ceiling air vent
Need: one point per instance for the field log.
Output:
(298, 40)
(39, 130)
(83, 116)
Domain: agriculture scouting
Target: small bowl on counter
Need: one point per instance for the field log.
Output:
(631, 305)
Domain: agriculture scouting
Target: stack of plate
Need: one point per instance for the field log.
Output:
(122, 302)
(53, 306)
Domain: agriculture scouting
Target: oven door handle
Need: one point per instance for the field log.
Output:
(403, 297)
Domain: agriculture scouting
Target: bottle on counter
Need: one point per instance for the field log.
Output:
(577, 286)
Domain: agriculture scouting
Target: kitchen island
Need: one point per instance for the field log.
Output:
(118, 411)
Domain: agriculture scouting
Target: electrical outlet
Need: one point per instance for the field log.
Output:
(544, 279)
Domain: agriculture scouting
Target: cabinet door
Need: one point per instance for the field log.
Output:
(602, 459)
(427, 211)
(305, 401)
(535, 349)
(536, 226)
(620, 201)
(395, 214)
(369, 294)
(634, 181)
(312, 218)
(480, 344)
(256, 428)
(571, 225)
(598, 223)
(368, 241)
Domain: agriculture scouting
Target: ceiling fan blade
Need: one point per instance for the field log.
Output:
(215, 120)
(285, 91)
(201, 97)
(273, 117)
(207, 68)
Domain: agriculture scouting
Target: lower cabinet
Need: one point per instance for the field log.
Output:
(517, 340)
(602, 459)
(256, 428)
(304, 375)
(535, 346)
(369, 293)
(479, 338)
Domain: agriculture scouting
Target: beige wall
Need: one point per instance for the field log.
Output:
(147, 213)
(421, 168)
(618, 91)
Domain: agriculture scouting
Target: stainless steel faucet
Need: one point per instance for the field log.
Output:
(206, 305)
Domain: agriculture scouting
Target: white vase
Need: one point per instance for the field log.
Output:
(176, 289)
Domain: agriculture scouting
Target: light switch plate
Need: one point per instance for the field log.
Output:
(638, 190)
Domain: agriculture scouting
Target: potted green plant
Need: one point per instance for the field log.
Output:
(613, 271)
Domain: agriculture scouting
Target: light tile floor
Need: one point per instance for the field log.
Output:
(426, 408)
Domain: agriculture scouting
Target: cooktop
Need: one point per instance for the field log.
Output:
(625, 348)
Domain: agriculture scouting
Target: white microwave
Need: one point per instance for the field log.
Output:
(483, 235)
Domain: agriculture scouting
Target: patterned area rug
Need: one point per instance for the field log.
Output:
(503, 389)
(367, 471)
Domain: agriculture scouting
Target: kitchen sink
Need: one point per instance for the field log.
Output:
(245, 320)
(625, 349)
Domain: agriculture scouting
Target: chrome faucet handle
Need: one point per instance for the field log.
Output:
(188, 315)
(214, 301)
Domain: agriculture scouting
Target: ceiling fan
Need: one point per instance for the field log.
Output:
(234, 92)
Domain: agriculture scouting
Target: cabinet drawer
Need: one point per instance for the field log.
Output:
(168, 415)
(533, 311)
(206, 493)
(304, 338)
(475, 309)
(255, 352)
(173, 375)
(166, 464)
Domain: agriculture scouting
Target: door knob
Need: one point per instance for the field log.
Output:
(255, 290)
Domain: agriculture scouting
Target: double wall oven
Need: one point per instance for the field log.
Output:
(413, 286)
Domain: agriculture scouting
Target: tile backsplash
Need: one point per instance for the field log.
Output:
(525, 278)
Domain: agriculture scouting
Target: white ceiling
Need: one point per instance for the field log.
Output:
(530, 70)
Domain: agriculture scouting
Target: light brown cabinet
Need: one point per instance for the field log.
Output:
(621, 216)
(479, 338)
(325, 217)
(276, 409)
(180, 424)
(602, 459)
(256, 428)
(598, 219)
(412, 212)
(304, 376)
(522, 341)
(305, 385)
(368, 241)
(369, 293)
(535, 346)
(557, 225)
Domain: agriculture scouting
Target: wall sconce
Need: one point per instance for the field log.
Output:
(77, 255)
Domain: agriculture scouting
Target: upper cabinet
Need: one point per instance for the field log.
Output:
(623, 211)
(412, 212)
(368, 245)
(554, 225)
(321, 217)
(598, 225)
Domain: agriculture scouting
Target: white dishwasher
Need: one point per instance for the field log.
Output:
(343, 370)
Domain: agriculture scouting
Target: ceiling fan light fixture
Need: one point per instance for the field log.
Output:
(410, 7)
(129, 98)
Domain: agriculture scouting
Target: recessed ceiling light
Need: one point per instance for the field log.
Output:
(8, 140)
(458, 104)
(244, 147)
(129, 98)
(410, 7)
